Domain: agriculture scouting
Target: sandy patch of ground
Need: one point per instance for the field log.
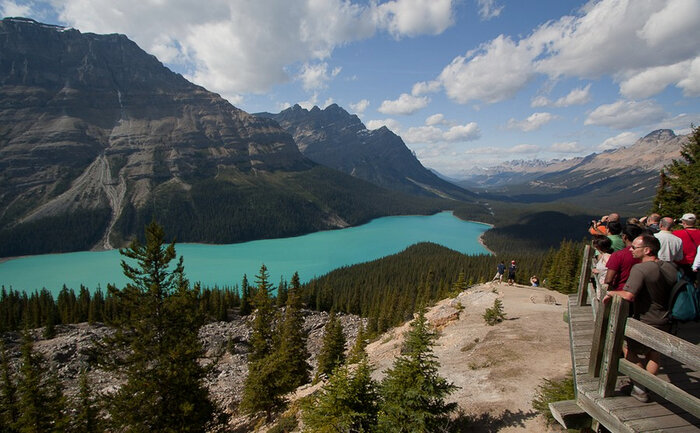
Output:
(497, 368)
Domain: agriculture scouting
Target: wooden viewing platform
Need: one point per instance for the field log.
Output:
(596, 333)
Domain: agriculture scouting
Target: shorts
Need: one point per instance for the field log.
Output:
(638, 348)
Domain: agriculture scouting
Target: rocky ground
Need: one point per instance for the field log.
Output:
(497, 368)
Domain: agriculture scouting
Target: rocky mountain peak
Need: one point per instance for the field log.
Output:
(660, 135)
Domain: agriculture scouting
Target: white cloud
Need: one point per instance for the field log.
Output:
(431, 134)
(467, 132)
(9, 8)
(406, 104)
(414, 17)
(424, 87)
(540, 101)
(360, 106)
(566, 147)
(435, 119)
(620, 39)
(316, 76)
(575, 97)
(626, 114)
(488, 9)
(620, 140)
(651, 81)
(390, 123)
(533, 122)
(524, 148)
(236, 47)
(495, 72)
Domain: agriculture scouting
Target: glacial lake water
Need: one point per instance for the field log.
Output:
(311, 255)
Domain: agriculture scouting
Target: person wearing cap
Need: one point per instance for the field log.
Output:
(511, 273)
(690, 236)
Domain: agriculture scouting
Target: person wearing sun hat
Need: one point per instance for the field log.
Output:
(690, 236)
(511, 273)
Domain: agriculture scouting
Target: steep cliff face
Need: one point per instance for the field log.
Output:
(337, 139)
(98, 137)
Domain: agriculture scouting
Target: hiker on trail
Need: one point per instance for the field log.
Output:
(648, 289)
(534, 281)
(500, 270)
(690, 236)
(620, 262)
(671, 246)
(511, 273)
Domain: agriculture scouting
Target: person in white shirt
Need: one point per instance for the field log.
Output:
(671, 245)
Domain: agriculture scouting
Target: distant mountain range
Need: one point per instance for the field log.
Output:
(339, 140)
(97, 138)
(623, 179)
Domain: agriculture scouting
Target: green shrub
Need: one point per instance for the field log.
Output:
(495, 314)
(551, 391)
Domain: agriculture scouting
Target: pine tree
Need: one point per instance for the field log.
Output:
(156, 345)
(8, 395)
(679, 185)
(413, 392)
(292, 352)
(40, 400)
(262, 390)
(348, 403)
(245, 297)
(358, 353)
(332, 352)
(86, 419)
(494, 314)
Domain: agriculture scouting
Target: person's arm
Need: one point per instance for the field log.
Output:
(696, 262)
(624, 294)
(610, 276)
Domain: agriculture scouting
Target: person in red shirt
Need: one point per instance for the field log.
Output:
(620, 262)
(690, 236)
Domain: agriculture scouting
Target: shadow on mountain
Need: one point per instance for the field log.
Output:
(487, 423)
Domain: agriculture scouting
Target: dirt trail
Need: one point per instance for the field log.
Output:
(498, 368)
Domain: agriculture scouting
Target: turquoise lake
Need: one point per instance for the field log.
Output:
(311, 255)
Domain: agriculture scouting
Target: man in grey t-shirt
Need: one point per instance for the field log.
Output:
(648, 289)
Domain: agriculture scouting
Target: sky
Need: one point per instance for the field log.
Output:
(465, 83)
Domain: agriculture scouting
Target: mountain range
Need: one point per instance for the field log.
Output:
(623, 179)
(97, 138)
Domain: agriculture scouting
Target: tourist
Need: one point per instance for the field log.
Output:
(511, 273)
(648, 288)
(614, 230)
(691, 240)
(603, 246)
(671, 246)
(500, 270)
(652, 223)
(600, 227)
(534, 281)
(620, 262)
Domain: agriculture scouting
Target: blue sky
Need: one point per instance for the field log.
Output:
(466, 83)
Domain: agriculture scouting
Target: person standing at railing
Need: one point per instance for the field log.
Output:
(648, 289)
(603, 246)
(690, 236)
(621, 262)
(671, 245)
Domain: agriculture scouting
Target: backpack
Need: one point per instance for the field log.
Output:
(684, 303)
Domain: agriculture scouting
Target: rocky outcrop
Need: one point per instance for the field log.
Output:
(225, 345)
(337, 139)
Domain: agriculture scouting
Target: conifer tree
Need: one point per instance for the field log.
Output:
(413, 392)
(245, 297)
(679, 184)
(348, 403)
(262, 390)
(156, 345)
(86, 419)
(332, 352)
(358, 353)
(40, 400)
(8, 395)
(292, 351)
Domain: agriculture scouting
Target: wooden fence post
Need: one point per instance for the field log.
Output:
(599, 333)
(613, 346)
(585, 276)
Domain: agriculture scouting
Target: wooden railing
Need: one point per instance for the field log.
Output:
(602, 328)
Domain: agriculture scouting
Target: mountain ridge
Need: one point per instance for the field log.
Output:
(337, 139)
